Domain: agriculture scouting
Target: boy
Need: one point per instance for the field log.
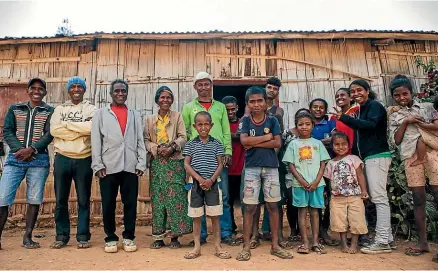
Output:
(238, 157)
(203, 163)
(260, 134)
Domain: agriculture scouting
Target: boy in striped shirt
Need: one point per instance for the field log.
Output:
(203, 163)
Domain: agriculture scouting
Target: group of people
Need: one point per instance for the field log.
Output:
(205, 158)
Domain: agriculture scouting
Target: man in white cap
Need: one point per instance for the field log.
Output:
(203, 85)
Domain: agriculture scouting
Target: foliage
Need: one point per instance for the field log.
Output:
(400, 197)
(64, 29)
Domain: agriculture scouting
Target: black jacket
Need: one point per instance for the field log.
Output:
(370, 126)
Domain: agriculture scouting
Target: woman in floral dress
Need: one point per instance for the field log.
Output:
(165, 137)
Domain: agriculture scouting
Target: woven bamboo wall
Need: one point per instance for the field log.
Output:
(308, 68)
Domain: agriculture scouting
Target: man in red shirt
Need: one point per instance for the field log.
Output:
(238, 156)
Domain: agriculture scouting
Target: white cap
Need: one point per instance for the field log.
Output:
(202, 75)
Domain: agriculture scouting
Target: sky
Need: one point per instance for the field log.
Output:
(41, 18)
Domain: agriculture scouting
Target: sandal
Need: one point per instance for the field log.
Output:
(191, 255)
(303, 250)
(415, 251)
(157, 244)
(223, 255)
(58, 244)
(319, 249)
(31, 244)
(243, 255)
(174, 244)
(364, 241)
(254, 243)
(192, 243)
(329, 242)
(295, 238)
(435, 258)
(229, 240)
(282, 254)
(83, 244)
(286, 244)
(267, 236)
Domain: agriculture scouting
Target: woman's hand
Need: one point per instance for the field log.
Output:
(337, 113)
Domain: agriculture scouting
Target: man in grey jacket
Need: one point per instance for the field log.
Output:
(119, 159)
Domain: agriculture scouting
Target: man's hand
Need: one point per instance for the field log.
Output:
(269, 137)
(304, 183)
(313, 186)
(364, 195)
(101, 173)
(139, 172)
(228, 160)
(24, 154)
(207, 184)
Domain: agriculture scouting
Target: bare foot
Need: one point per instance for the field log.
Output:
(352, 250)
(418, 162)
(345, 249)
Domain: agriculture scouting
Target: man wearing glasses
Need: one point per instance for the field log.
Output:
(27, 132)
(118, 160)
(70, 126)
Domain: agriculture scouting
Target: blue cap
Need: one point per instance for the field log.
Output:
(76, 80)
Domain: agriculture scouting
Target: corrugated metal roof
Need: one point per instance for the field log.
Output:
(231, 33)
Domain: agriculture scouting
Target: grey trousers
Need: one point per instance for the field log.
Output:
(376, 170)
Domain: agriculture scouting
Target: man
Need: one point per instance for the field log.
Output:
(119, 159)
(27, 132)
(221, 131)
(70, 126)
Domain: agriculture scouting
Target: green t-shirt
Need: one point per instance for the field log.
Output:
(221, 125)
(306, 155)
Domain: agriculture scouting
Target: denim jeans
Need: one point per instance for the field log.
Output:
(376, 170)
(13, 176)
(66, 169)
(225, 218)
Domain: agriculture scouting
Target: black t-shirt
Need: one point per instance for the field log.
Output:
(260, 157)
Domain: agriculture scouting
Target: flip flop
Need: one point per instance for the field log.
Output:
(282, 254)
(435, 258)
(415, 251)
(303, 250)
(157, 244)
(31, 244)
(329, 242)
(229, 240)
(58, 244)
(191, 255)
(83, 244)
(295, 238)
(319, 249)
(223, 255)
(174, 244)
(286, 244)
(243, 255)
(254, 243)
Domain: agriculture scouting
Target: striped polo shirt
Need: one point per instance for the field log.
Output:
(204, 155)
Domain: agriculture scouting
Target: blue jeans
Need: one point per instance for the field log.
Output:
(225, 218)
(12, 178)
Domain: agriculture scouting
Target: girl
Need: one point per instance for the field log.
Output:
(403, 132)
(348, 188)
(371, 139)
(344, 101)
(306, 158)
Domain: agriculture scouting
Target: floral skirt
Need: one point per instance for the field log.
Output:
(169, 199)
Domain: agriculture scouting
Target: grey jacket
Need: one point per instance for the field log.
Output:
(113, 151)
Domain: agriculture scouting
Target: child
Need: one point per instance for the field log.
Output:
(260, 134)
(238, 157)
(306, 158)
(348, 189)
(203, 162)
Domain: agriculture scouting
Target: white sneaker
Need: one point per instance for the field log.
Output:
(111, 247)
(129, 245)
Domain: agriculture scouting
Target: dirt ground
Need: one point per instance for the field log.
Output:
(15, 257)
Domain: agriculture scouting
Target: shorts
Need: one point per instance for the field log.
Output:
(254, 177)
(415, 175)
(200, 200)
(347, 213)
(303, 198)
(13, 176)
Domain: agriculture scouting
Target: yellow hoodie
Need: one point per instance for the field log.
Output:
(70, 125)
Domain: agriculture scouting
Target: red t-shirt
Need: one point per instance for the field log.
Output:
(206, 105)
(122, 116)
(238, 152)
(341, 127)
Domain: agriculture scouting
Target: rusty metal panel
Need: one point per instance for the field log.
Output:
(10, 94)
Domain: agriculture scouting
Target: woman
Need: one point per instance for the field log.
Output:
(343, 101)
(371, 141)
(165, 135)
